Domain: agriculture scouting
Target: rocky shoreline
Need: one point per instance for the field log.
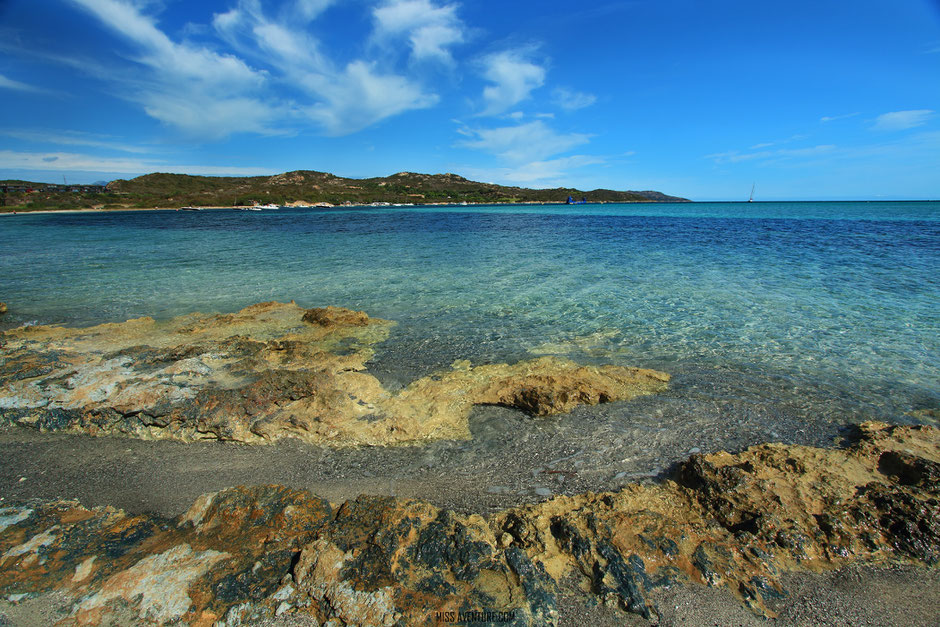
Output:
(246, 554)
(276, 372)
(267, 372)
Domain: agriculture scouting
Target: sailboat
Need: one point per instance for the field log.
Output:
(751, 199)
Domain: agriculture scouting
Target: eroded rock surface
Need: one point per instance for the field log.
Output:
(270, 371)
(731, 521)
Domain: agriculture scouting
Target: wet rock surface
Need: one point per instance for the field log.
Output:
(271, 371)
(738, 522)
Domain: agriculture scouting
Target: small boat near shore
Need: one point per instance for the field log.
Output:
(189, 209)
(269, 206)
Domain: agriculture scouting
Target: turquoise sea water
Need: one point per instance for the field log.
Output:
(844, 296)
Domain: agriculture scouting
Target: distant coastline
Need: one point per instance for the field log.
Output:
(302, 187)
(113, 209)
(9, 211)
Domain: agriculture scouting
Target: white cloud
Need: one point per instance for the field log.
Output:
(71, 138)
(777, 142)
(546, 173)
(527, 150)
(205, 116)
(902, 120)
(832, 118)
(900, 156)
(210, 95)
(341, 100)
(289, 49)
(572, 100)
(65, 161)
(430, 29)
(359, 97)
(532, 141)
(195, 89)
(9, 83)
(197, 65)
(311, 9)
(513, 77)
(734, 156)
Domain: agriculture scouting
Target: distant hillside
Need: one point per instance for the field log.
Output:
(167, 190)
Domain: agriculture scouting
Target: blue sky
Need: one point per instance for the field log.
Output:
(806, 100)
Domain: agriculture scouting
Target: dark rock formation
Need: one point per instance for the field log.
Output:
(245, 554)
(335, 316)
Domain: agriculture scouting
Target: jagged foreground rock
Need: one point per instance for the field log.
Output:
(736, 521)
(270, 371)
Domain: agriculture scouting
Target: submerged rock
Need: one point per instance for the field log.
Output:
(245, 554)
(270, 371)
(929, 415)
(335, 316)
(3, 308)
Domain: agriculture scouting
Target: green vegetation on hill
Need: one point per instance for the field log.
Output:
(170, 190)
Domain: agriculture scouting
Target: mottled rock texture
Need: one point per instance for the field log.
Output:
(244, 554)
(929, 415)
(270, 371)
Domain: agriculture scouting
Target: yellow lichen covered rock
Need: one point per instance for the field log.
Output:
(270, 371)
(245, 555)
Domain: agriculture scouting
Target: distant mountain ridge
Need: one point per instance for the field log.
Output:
(311, 186)
(299, 187)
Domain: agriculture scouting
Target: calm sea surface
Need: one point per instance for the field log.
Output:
(840, 296)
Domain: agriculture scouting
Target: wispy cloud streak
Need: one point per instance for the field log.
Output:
(525, 142)
(572, 100)
(902, 120)
(763, 155)
(72, 138)
(9, 83)
(67, 161)
(833, 118)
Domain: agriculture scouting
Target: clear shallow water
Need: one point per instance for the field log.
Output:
(837, 296)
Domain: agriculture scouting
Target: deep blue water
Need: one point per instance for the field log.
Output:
(844, 293)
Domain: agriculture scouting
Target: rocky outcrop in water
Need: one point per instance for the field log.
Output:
(270, 371)
(930, 415)
(3, 308)
(732, 521)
